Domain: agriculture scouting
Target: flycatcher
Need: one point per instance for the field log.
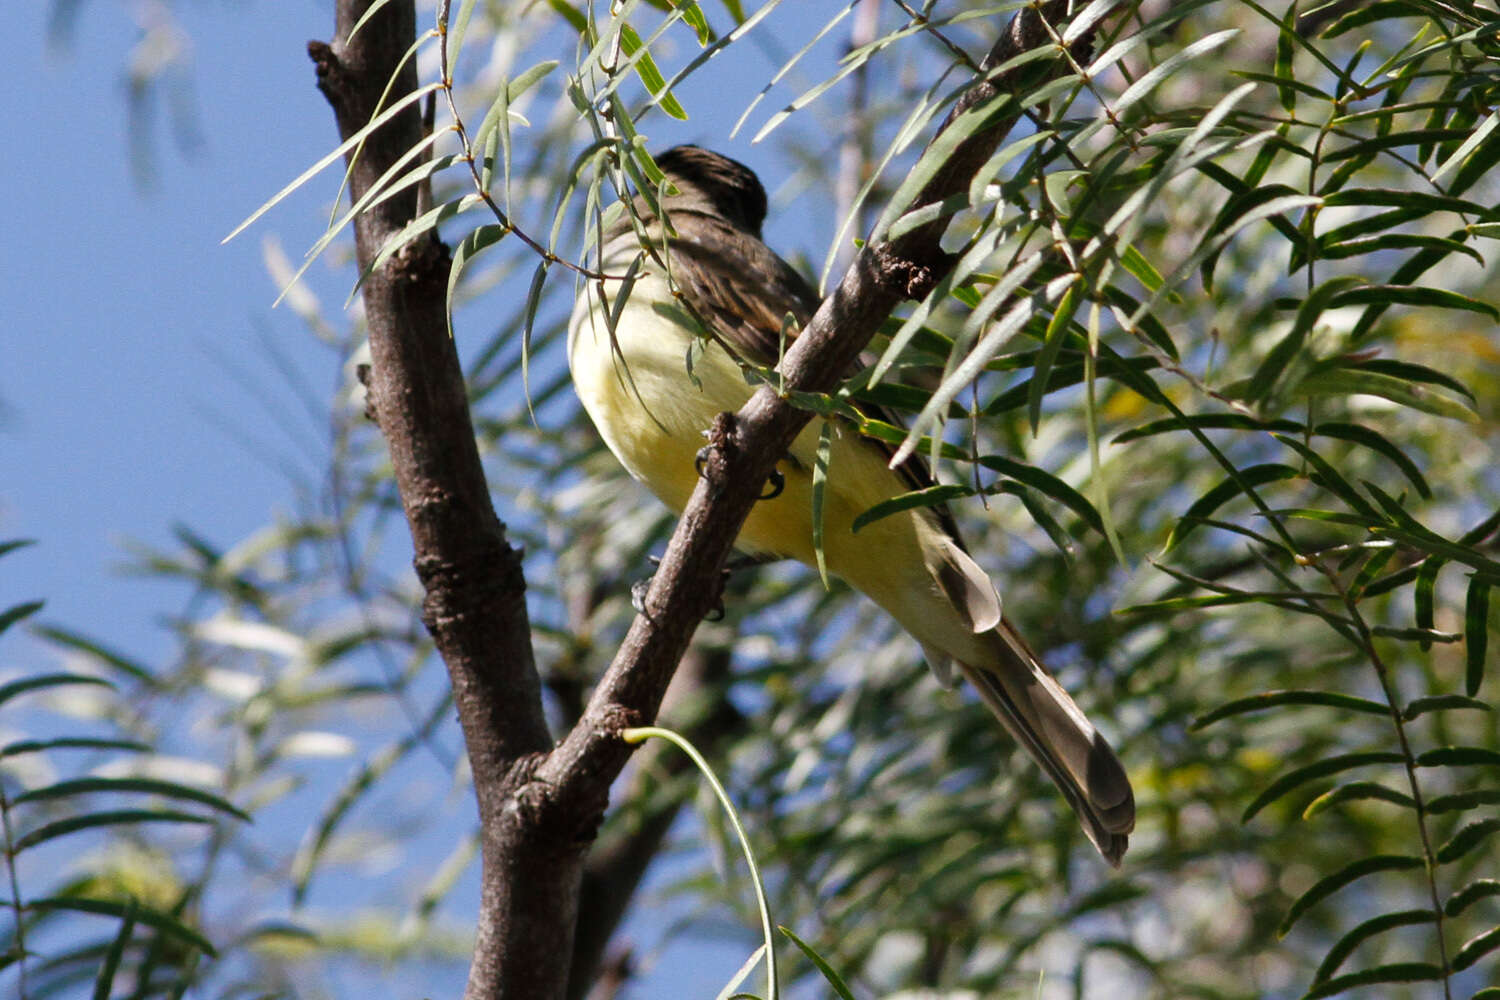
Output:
(706, 295)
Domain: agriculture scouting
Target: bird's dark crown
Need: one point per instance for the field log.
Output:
(730, 188)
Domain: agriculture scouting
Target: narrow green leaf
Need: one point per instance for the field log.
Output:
(1145, 323)
(1196, 602)
(931, 496)
(645, 68)
(1428, 202)
(143, 914)
(1344, 946)
(474, 242)
(1479, 888)
(456, 32)
(1396, 140)
(1242, 481)
(1162, 70)
(786, 67)
(1380, 222)
(40, 681)
(1311, 772)
(144, 786)
(71, 743)
(1418, 635)
(1470, 144)
(1476, 948)
(1052, 342)
(1360, 434)
(528, 323)
(1466, 839)
(1442, 702)
(1378, 557)
(1244, 199)
(1396, 241)
(1286, 49)
(1041, 516)
(693, 15)
(1394, 509)
(1478, 163)
(1275, 699)
(1414, 295)
(936, 156)
(1330, 479)
(731, 990)
(113, 817)
(1459, 757)
(358, 137)
(19, 612)
(1409, 371)
(1476, 633)
(1357, 791)
(1046, 484)
(1065, 376)
(80, 643)
(571, 14)
(819, 495)
(1422, 595)
(1396, 972)
(6, 548)
(1273, 370)
(370, 12)
(1331, 884)
(104, 982)
(1287, 86)
(423, 223)
(1206, 421)
(840, 988)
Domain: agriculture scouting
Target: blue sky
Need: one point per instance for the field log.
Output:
(127, 323)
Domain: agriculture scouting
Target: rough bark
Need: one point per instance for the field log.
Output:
(475, 605)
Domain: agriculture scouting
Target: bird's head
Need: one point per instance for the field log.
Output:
(709, 181)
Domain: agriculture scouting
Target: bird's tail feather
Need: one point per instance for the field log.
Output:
(1044, 719)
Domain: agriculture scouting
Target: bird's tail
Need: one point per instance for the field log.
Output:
(1058, 736)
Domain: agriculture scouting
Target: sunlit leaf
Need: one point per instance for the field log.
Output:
(1319, 769)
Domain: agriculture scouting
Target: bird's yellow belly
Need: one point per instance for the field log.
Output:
(652, 414)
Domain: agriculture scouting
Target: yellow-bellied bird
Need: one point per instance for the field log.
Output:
(652, 412)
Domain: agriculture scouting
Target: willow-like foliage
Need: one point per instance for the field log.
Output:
(1212, 391)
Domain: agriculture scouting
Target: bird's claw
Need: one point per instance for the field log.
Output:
(775, 482)
(639, 588)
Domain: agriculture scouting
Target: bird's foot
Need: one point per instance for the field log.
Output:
(639, 588)
(775, 482)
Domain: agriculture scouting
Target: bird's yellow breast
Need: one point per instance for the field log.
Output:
(652, 413)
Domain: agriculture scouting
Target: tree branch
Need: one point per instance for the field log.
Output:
(475, 603)
(614, 870)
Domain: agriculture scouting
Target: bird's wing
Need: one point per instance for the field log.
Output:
(745, 293)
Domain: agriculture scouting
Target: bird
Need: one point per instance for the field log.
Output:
(657, 341)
